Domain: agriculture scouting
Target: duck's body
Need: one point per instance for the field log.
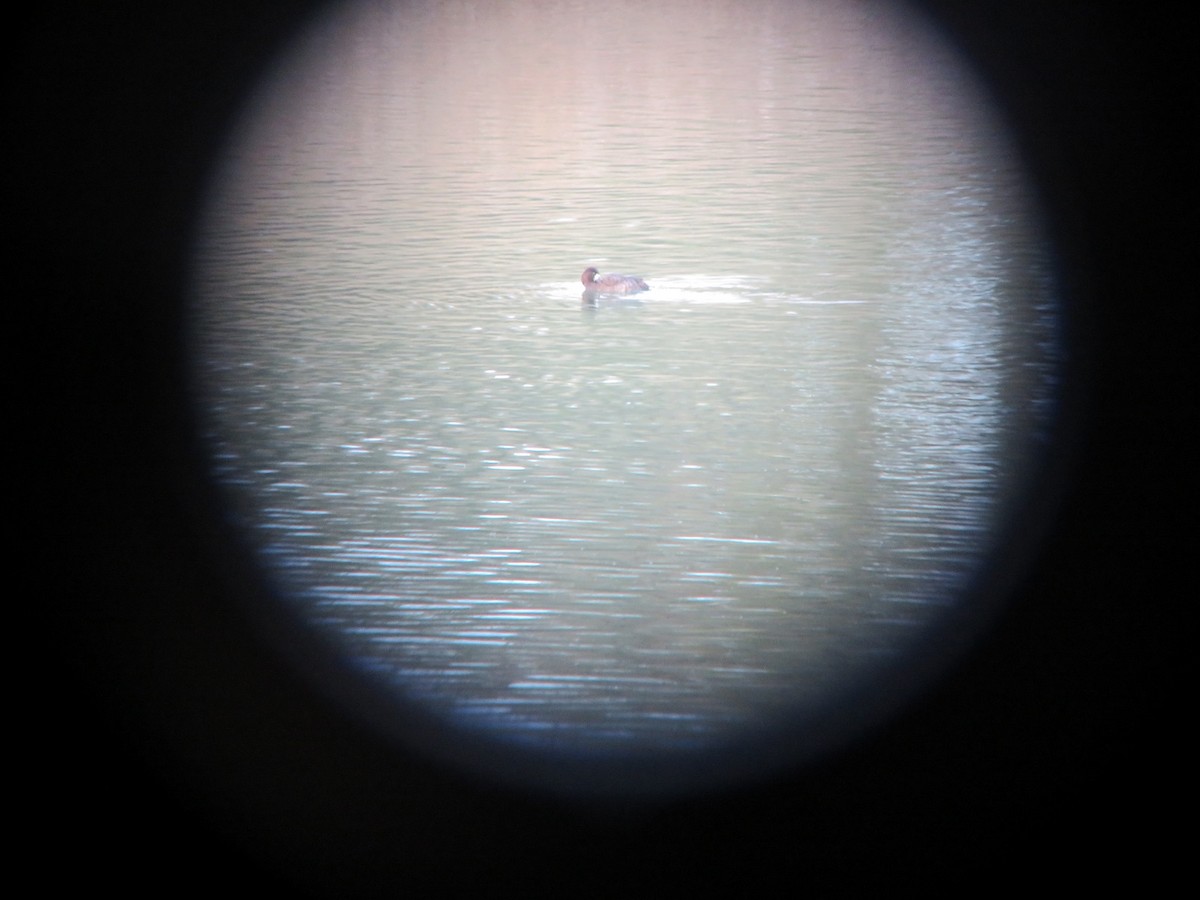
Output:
(612, 283)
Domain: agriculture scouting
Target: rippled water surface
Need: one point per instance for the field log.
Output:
(648, 523)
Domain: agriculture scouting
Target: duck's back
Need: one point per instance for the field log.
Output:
(622, 284)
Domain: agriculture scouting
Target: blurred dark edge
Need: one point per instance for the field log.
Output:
(168, 747)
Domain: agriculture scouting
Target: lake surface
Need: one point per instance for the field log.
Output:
(641, 525)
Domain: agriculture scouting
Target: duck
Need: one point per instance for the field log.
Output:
(611, 283)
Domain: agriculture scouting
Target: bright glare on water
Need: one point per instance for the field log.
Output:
(756, 494)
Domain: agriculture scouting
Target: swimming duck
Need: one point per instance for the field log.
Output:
(612, 283)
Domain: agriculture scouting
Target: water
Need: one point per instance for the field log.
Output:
(654, 523)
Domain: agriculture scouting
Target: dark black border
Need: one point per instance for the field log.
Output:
(167, 742)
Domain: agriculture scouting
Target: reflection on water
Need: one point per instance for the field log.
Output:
(648, 522)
